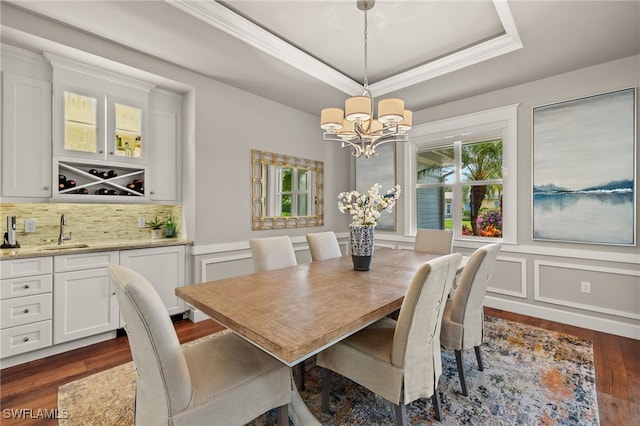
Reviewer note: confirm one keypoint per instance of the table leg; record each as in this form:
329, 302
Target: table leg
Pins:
298, 411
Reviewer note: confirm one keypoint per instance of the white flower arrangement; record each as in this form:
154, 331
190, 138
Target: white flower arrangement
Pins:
365, 209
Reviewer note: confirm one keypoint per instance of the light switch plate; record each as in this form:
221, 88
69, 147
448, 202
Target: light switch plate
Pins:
30, 225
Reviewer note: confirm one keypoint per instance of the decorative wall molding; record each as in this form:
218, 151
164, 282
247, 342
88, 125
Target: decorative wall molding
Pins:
497, 297
537, 296
523, 278
213, 260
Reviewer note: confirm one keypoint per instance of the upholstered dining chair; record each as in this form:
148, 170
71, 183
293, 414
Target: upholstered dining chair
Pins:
399, 360
323, 245
435, 241
272, 253
275, 253
463, 320
222, 380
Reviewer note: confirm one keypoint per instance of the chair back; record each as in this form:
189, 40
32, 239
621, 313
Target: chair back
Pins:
272, 253
416, 340
466, 305
436, 241
323, 245
163, 385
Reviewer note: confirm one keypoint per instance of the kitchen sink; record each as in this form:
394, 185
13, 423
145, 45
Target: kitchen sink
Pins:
65, 247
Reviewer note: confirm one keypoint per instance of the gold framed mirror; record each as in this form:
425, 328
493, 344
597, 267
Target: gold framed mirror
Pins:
288, 192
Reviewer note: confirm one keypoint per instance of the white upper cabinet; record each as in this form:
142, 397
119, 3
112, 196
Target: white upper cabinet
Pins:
25, 165
99, 115
165, 130
26, 137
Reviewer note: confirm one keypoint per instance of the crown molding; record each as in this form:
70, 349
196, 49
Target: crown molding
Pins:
218, 16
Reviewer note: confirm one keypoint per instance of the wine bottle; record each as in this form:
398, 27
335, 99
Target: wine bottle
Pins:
69, 184
101, 191
112, 173
62, 178
82, 191
103, 175
169, 228
93, 172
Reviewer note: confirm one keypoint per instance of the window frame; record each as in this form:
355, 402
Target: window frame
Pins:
497, 122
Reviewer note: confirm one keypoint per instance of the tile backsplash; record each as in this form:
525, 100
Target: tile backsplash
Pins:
87, 222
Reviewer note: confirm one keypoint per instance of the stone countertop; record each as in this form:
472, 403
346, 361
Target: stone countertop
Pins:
73, 247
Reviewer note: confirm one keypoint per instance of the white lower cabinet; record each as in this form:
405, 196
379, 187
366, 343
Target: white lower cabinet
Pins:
25, 305
164, 268
84, 302
51, 300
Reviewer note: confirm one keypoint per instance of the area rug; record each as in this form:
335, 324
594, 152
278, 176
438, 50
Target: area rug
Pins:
531, 377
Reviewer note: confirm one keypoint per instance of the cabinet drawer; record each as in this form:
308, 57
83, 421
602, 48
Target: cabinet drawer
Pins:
77, 262
27, 286
25, 338
25, 267
25, 310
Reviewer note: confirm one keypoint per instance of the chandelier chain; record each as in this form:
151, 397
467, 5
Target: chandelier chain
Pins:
366, 80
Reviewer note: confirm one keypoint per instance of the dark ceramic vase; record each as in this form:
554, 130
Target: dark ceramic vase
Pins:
361, 242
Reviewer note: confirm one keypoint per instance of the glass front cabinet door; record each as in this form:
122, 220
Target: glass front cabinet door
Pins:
80, 123
99, 115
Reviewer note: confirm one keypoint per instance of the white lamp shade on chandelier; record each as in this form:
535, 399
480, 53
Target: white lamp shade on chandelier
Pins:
355, 126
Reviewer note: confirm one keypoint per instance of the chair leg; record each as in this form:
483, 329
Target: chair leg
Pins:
301, 374
325, 390
401, 414
435, 399
283, 415
463, 382
479, 358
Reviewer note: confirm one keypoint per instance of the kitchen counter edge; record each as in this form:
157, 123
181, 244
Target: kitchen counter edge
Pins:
37, 251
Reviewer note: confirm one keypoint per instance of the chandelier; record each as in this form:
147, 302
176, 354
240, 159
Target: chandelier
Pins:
355, 126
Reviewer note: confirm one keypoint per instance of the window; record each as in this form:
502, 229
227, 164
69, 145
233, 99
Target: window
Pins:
456, 175
466, 177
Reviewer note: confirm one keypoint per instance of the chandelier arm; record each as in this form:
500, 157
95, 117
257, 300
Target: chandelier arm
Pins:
372, 133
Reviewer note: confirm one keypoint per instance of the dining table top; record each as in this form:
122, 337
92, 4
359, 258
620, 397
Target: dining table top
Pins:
295, 312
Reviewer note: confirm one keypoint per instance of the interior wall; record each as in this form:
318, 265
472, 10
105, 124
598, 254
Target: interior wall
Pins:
221, 127
543, 278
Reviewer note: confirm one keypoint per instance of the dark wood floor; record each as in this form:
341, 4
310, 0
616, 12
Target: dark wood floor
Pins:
35, 385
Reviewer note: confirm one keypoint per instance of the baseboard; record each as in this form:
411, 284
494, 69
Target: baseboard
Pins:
571, 318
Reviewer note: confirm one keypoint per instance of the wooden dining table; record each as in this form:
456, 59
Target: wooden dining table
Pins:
295, 312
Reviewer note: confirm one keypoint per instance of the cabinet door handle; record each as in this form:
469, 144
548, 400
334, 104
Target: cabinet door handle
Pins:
26, 311
46, 188
110, 152
26, 286
152, 192
113, 294
26, 339
100, 152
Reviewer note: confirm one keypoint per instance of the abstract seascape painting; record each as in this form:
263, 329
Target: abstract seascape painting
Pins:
584, 169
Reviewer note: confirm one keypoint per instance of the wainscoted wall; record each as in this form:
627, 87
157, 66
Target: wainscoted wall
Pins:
551, 278
217, 261
87, 222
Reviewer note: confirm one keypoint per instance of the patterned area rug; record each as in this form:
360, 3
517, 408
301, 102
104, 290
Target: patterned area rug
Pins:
531, 376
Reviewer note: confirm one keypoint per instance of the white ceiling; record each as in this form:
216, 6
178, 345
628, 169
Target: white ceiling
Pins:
309, 54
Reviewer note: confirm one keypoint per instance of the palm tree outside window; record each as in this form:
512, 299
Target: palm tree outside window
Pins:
459, 187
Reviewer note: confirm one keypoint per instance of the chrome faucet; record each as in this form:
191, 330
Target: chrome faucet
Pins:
61, 237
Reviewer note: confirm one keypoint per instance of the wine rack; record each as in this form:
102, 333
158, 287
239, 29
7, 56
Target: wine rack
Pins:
94, 180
